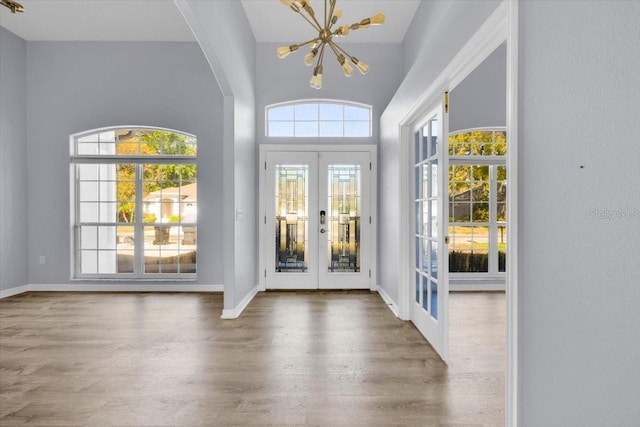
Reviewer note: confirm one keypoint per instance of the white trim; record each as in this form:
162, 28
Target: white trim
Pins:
500, 26
233, 313
405, 240
485, 287
512, 380
120, 287
14, 291
388, 300
372, 149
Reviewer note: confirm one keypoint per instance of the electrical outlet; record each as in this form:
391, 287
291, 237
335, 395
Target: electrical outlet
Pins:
42, 259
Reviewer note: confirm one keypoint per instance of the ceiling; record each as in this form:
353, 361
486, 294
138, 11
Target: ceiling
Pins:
160, 20
273, 22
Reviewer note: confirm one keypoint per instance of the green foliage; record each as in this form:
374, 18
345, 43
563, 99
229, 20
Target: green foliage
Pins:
149, 218
470, 262
155, 177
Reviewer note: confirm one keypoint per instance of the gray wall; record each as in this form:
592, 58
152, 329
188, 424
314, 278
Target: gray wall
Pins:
281, 80
223, 32
438, 45
13, 160
481, 98
579, 227
76, 86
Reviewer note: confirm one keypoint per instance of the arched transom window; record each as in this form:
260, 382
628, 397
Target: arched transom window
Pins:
318, 119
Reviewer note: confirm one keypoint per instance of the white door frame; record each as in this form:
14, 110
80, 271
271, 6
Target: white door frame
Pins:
262, 214
501, 26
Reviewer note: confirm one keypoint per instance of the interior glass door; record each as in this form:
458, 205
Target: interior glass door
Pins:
429, 309
318, 220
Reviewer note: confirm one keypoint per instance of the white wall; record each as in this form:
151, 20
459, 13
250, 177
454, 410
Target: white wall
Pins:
13, 160
76, 86
579, 168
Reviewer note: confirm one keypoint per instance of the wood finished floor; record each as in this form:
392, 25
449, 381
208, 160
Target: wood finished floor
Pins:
292, 358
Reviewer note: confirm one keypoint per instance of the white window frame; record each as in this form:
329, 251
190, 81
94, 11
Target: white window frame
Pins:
139, 161
318, 102
458, 279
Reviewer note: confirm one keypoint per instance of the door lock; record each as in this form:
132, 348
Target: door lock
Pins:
322, 230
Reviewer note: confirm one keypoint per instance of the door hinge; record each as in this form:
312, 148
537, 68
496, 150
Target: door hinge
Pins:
370, 166
369, 273
369, 220
265, 272
446, 102
265, 165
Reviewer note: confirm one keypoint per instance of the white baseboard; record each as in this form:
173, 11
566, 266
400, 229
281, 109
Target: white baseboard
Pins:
111, 287
390, 303
14, 291
233, 313
467, 287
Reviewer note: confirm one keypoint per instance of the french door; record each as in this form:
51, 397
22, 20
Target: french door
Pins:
318, 225
430, 301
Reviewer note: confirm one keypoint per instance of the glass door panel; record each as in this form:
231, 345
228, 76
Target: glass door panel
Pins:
428, 312
290, 201
343, 218
291, 217
345, 230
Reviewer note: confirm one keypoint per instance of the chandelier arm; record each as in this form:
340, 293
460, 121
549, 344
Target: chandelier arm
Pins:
307, 8
315, 25
308, 42
321, 55
331, 10
326, 22
333, 47
340, 49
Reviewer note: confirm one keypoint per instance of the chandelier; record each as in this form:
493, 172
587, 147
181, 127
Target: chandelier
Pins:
326, 38
12, 5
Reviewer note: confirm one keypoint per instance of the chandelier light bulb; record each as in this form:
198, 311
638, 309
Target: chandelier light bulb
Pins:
283, 52
377, 19
343, 30
337, 14
364, 68
309, 57
347, 69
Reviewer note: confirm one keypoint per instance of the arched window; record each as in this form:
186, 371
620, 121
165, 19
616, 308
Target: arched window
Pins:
135, 203
318, 119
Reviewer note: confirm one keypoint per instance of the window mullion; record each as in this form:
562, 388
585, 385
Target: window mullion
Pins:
493, 226
138, 250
